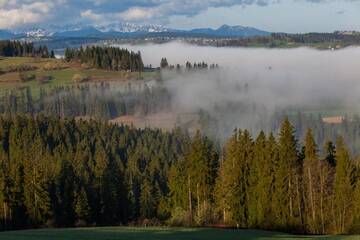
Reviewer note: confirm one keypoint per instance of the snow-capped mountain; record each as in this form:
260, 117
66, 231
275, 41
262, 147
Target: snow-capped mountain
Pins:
131, 28
48, 30
38, 33
116, 30
57, 30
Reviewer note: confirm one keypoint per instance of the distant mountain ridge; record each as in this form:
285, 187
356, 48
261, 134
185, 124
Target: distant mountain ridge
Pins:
116, 30
5, 34
232, 31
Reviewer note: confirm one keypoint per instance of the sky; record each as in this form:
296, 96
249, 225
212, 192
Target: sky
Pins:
293, 16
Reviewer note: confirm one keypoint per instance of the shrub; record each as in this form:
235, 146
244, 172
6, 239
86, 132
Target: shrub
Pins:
53, 66
85, 66
50, 223
81, 223
20, 68
179, 218
43, 79
80, 78
149, 223
205, 215
25, 77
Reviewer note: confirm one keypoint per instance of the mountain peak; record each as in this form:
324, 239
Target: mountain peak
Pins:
233, 28
225, 26
120, 29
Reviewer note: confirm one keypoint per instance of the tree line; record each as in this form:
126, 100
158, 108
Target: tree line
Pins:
106, 101
280, 186
65, 172
269, 183
101, 101
24, 49
109, 58
188, 65
284, 40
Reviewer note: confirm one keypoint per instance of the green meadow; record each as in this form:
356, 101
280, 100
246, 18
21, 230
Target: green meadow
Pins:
126, 233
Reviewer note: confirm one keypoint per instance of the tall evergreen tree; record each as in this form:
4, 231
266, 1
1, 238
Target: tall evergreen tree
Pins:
260, 183
311, 170
343, 188
147, 201
287, 194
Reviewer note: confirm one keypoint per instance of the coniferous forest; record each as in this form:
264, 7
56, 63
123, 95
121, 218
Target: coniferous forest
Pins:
23, 49
102, 101
109, 58
62, 164
62, 172
179, 119
106, 101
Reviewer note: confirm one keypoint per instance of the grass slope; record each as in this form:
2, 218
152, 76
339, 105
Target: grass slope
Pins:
59, 77
124, 233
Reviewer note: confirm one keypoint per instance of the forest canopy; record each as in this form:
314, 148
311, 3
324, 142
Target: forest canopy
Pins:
23, 49
109, 58
76, 173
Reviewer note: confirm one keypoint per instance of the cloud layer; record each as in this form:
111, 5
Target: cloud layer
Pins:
18, 13
15, 13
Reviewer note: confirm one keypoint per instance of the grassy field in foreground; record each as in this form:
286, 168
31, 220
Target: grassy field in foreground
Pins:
123, 233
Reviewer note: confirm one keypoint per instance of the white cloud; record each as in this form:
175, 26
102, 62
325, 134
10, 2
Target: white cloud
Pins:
17, 17
162, 9
89, 14
157, 11
40, 7
17, 13
98, 2
4, 3
14, 14
138, 14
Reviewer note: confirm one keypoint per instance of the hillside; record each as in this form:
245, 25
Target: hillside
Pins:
231, 31
21, 72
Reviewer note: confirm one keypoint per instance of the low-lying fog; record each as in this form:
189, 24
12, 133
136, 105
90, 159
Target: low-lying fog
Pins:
302, 79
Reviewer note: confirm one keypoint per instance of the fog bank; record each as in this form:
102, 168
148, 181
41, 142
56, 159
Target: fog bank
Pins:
259, 80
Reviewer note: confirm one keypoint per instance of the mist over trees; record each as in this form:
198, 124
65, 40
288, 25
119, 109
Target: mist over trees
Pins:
58, 170
65, 172
101, 101
105, 101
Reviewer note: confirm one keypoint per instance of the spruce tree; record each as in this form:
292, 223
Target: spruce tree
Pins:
82, 207
311, 183
260, 183
201, 167
288, 207
227, 189
147, 201
343, 188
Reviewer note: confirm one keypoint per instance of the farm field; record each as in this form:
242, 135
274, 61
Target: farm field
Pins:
124, 233
166, 121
